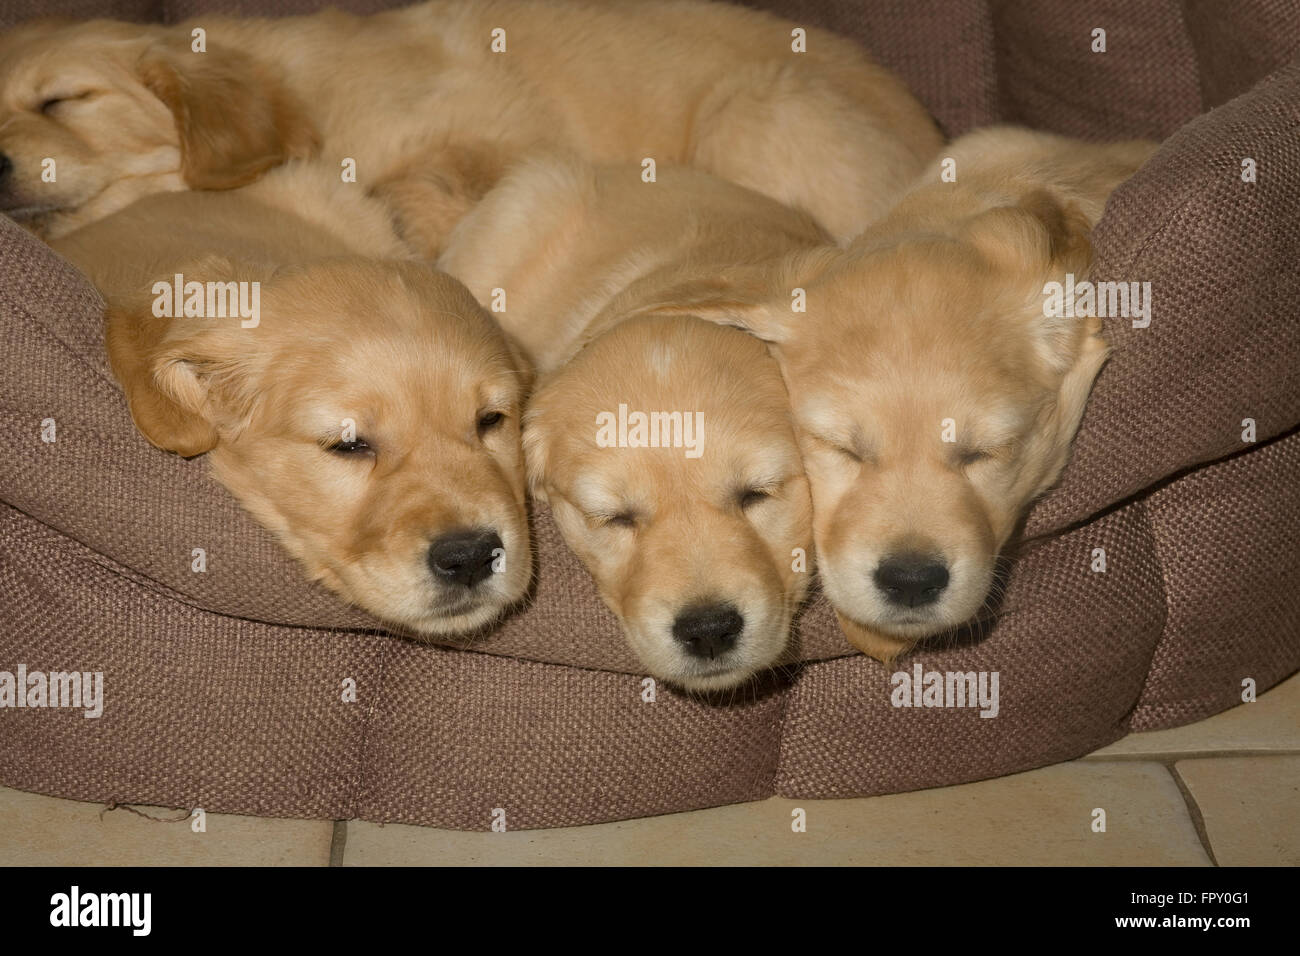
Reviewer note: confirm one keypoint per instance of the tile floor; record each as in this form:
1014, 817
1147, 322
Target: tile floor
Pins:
1224, 791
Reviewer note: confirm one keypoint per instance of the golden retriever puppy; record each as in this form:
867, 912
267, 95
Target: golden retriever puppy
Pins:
96, 114
936, 395
365, 411
663, 444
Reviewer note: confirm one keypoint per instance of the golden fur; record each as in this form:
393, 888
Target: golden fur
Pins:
932, 322
585, 257
396, 347
417, 93
934, 318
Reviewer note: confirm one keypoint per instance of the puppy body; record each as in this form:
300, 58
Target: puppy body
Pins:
935, 398
370, 416
701, 551
295, 215
578, 248
419, 95
1002, 165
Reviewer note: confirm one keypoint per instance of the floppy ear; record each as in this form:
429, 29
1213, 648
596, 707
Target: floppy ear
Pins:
131, 334
1033, 242
187, 380
757, 300
536, 444
1057, 432
1037, 233
1036, 241
714, 301
234, 120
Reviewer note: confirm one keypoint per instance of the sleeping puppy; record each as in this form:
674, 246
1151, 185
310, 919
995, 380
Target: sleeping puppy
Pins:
442, 96
365, 411
663, 444
935, 398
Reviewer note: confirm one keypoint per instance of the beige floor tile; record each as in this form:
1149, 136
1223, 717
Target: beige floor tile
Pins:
1251, 807
1271, 723
1040, 817
44, 831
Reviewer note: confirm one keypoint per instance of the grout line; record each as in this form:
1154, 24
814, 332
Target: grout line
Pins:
338, 842
1194, 811
1168, 756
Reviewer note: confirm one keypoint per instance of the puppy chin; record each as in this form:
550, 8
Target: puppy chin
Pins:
757, 651
466, 622
883, 631
416, 610
476, 615
872, 642
716, 682
698, 679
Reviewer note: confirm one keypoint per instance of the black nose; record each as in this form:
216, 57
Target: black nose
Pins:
6, 167
911, 580
464, 557
708, 630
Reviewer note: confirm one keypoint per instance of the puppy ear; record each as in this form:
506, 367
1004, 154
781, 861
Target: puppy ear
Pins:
1031, 244
131, 334
536, 442
1038, 233
758, 301
187, 380
233, 119
763, 319
1071, 347
1062, 418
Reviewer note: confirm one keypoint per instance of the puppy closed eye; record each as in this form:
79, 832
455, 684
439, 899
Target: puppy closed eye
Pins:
751, 497
48, 105
355, 448
971, 457
846, 452
489, 422
620, 519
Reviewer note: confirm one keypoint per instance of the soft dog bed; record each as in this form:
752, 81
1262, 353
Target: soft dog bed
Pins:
227, 688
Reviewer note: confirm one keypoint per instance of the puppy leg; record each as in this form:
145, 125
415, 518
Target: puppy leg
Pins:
429, 194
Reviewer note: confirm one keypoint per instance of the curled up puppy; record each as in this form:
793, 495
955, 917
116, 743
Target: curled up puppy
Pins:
663, 444
936, 393
366, 411
441, 96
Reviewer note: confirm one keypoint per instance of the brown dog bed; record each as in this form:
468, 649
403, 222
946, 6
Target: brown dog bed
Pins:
224, 689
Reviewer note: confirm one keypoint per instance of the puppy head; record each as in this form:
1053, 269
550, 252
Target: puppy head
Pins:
96, 115
934, 402
371, 420
691, 543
